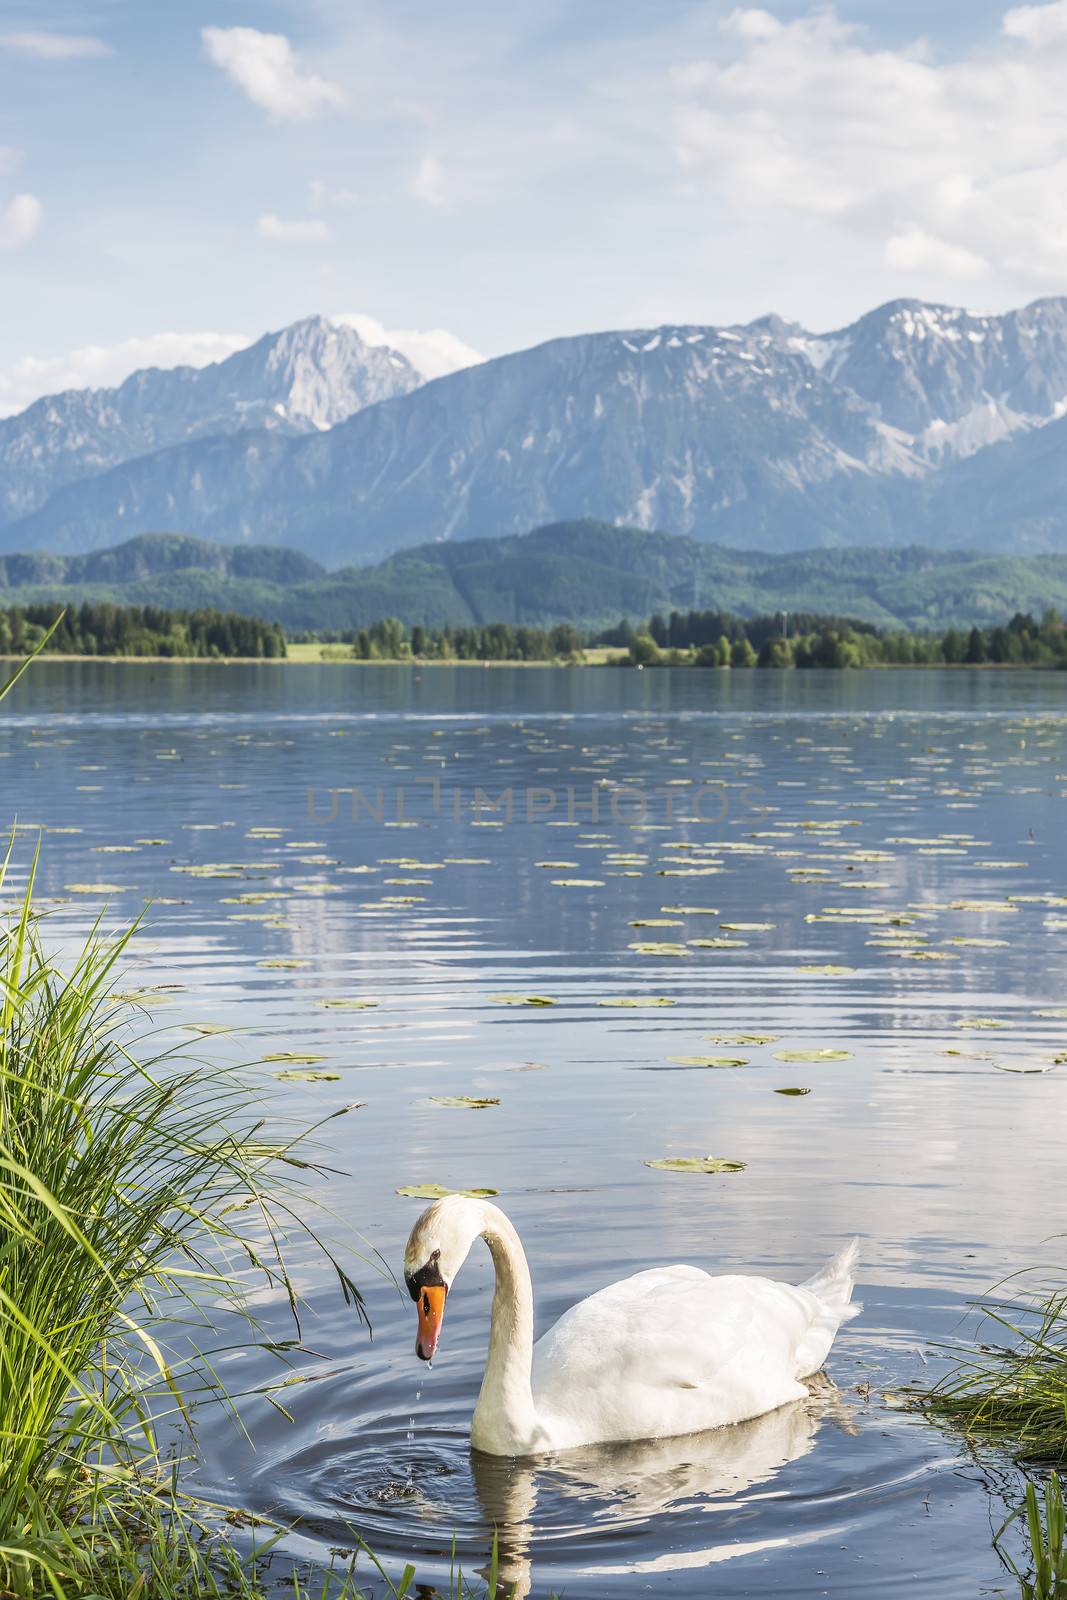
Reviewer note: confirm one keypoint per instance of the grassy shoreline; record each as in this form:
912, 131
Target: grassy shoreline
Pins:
309, 655
301, 655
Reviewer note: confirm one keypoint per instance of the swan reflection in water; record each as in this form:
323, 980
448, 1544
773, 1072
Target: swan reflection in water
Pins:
626, 1486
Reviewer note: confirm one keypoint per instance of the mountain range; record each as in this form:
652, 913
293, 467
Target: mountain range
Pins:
304, 379
917, 424
588, 573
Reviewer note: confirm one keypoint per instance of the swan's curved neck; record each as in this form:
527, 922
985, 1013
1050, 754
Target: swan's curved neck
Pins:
505, 1419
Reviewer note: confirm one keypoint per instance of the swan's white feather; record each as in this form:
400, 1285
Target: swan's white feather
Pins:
676, 1350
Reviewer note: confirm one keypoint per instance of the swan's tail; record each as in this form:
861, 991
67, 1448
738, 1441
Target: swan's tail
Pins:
833, 1283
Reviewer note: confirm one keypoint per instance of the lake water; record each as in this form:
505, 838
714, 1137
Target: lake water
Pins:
897, 842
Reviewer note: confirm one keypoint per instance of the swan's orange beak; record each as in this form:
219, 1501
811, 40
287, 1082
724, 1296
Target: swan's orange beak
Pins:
431, 1310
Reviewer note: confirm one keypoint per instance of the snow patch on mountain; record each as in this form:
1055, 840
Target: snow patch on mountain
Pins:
986, 423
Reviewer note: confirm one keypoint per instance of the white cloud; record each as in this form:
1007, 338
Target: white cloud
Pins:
955, 168
428, 183
55, 46
912, 250
1041, 25
98, 366
267, 69
432, 351
300, 232
19, 221
321, 196
750, 23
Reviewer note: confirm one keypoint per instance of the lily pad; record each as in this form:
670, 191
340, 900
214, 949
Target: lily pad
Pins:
294, 1056
436, 1191
1029, 1067
710, 1061
813, 1055
633, 1002
792, 1091
254, 898
464, 1102
743, 1038
828, 970
306, 1075
523, 999
688, 872
696, 1164
349, 1005
286, 963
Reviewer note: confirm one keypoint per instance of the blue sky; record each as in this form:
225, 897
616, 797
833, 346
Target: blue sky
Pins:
177, 178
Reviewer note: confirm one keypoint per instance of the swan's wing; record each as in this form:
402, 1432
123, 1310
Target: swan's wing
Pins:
673, 1350
675, 1326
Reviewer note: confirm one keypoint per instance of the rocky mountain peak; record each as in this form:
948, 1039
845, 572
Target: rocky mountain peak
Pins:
303, 378
315, 373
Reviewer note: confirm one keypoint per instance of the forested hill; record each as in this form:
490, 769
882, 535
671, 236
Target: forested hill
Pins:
587, 573
154, 555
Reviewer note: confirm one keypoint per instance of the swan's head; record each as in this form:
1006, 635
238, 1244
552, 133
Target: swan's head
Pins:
437, 1248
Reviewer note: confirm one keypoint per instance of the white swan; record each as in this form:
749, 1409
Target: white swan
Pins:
668, 1351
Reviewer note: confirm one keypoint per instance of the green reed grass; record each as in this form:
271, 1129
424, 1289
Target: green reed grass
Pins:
1044, 1517
1013, 1393
133, 1194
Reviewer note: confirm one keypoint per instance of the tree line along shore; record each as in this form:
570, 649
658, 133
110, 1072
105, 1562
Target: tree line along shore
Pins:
102, 629
713, 639
703, 639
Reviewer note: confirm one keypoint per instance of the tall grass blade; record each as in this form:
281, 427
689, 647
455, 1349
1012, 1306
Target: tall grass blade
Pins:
1043, 1516
34, 653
